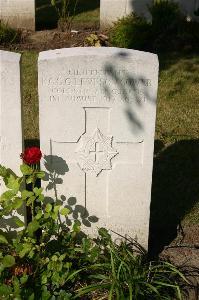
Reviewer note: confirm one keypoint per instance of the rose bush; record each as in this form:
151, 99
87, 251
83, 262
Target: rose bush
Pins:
31, 155
61, 262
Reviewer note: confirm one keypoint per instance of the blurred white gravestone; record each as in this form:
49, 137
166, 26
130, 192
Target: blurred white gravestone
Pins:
97, 113
18, 13
112, 10
10, 112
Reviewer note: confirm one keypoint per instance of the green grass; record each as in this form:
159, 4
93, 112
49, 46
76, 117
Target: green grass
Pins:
86, 14
178, 100
8, 35
175, 191
30, 95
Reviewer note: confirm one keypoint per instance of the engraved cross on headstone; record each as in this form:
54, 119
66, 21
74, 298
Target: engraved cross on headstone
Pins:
97, 153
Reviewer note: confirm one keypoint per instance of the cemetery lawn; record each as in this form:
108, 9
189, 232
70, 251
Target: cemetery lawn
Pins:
176, 165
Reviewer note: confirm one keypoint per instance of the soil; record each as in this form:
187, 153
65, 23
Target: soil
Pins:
52, 39
184, 250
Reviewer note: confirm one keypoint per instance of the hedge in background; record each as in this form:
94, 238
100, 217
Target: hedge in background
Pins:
169, 30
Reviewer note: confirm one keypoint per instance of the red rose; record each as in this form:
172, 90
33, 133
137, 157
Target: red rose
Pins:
31, 155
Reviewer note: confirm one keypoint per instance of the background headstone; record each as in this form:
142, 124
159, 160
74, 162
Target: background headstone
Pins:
10, 116
97, 114
18, 13
112, 10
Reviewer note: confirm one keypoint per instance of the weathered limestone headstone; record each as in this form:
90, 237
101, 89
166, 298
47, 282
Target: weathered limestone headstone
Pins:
97, 113
18, 13
10, 117
112, 10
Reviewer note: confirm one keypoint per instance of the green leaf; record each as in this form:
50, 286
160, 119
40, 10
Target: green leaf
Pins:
24, 279
39, 215
26, 249
37, 191
8, 195
26, 194
64, 211
41, 198
31, 200
46, 215
44, 279
76, 226
62, 257
32, 227
54, 258
56, 208
17, 202
13, 183
54, 215
31, 297
26, 170
103, 232
5, 290
3, 240
8, 261
48, 207
3, 171
99, 276
30, 179
18, 222
40, 174
16, 285
90, 288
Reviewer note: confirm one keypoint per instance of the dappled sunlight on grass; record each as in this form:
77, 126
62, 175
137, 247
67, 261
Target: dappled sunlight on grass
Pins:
178, 105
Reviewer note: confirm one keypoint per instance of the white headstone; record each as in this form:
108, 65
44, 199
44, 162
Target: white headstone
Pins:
18, 13
112, 10
10, 116
97, 112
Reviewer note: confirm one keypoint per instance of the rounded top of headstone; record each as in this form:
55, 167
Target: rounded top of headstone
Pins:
9, 56
121, 53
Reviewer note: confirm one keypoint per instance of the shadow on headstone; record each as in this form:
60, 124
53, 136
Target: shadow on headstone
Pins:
56, 167
175, 190
129, 91
31, 143
8, 225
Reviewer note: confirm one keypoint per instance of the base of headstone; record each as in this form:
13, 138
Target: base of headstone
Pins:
18, 13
